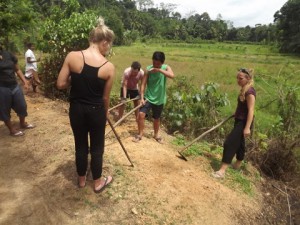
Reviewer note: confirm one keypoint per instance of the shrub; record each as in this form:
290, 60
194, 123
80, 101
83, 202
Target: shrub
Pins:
189, 109
278, 158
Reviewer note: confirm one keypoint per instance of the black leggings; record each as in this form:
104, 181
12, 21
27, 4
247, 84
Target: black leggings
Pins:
88, 120
235, 143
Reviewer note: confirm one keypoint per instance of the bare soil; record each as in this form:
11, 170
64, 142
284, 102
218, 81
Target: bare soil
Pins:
38, 182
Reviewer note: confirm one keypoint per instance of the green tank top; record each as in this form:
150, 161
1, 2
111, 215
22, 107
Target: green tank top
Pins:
156, 87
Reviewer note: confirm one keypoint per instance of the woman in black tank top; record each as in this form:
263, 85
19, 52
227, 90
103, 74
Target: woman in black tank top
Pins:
90, 77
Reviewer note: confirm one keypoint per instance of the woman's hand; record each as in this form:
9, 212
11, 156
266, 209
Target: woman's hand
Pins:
247, 132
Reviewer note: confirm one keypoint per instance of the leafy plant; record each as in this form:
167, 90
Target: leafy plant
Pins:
189, 110
59, 38
278, 156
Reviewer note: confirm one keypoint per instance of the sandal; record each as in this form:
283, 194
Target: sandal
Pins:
137, 138
17, 134
218, 175
159, 140
28, 126
107, 180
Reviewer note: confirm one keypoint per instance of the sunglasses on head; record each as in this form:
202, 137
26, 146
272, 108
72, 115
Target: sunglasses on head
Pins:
243, 70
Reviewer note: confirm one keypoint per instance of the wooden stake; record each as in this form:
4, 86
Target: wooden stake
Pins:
122, 103
202, 135
119, 140
124, 117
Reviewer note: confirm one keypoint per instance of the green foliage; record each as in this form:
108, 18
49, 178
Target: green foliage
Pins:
262, 141
285, 92
179, 140
15, 15
276, 153
287, 20
237, 180
130, 37
50, 68
69, 34
58, 39
126, 21
189, 109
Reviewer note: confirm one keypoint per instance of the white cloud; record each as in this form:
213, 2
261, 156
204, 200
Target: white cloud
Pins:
240, 12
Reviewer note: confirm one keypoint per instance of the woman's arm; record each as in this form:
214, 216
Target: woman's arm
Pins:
108, 85
21, 76
63, 80
250, 104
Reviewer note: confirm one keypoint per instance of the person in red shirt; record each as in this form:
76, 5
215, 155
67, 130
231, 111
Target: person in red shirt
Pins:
131, 81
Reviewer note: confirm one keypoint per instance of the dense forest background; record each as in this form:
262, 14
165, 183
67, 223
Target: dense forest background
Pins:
41, 21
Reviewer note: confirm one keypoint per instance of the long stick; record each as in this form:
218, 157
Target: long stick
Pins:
202, 135
119, 140
122, 103
287, 197
289, 206
124, 117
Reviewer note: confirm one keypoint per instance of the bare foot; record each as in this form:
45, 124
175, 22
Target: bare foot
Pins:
81, 181
237, 165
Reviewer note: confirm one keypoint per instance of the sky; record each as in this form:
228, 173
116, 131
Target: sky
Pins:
240, 12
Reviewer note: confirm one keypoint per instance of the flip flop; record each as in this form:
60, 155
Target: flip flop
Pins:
28, 126
107, 180
137, 138
18, 134
159, 140
218, 175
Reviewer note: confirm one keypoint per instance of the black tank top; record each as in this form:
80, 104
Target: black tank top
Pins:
87, 87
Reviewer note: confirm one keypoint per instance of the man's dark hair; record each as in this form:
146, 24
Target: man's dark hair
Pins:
29, 45
136, 65
159, 56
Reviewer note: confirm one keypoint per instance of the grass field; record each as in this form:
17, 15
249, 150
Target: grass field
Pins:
217, 63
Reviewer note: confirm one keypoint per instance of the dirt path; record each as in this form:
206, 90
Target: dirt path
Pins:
38, 180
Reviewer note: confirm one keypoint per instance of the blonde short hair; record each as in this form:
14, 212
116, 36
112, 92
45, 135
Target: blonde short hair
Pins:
101, 32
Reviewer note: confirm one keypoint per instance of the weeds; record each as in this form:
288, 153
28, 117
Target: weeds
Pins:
237, 180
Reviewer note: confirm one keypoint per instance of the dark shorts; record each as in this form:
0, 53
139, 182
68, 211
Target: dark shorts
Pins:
156, 109
130, 93
12, 98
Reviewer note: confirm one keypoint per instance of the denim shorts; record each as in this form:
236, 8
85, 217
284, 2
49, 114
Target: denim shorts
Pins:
12, 98
156, 109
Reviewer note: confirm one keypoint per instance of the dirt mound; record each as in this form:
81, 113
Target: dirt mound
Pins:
38, 180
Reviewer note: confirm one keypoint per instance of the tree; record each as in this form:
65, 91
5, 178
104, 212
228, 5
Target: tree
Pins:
220, 27
15, 15
287, 20
144, 4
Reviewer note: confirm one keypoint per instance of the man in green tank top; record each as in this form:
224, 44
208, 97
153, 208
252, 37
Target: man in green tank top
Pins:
153, 93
